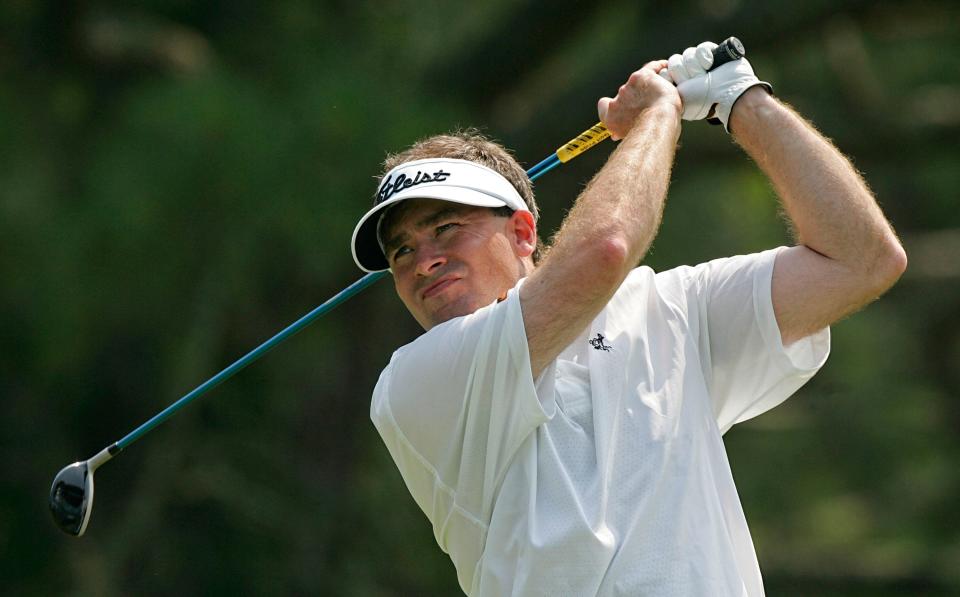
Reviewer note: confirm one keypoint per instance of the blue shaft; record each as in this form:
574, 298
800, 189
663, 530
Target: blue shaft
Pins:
544, 165
733, 49
348, 292
251, 356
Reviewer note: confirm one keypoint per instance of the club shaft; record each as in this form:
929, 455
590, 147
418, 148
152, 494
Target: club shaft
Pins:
259, 351
731, 49
251, 356
728, 50
543, 166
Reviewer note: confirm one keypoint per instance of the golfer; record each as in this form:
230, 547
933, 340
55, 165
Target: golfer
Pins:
560, 422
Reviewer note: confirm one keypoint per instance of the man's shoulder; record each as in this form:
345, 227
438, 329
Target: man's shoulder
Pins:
680, 287
670, 284
686, 276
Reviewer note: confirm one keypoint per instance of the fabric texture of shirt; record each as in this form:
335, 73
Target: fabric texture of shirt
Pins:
607, 475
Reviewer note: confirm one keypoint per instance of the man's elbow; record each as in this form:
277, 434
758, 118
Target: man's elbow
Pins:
599, 267
888, 265
613, 260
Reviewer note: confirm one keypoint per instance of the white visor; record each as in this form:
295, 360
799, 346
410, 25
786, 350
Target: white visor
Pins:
457, 181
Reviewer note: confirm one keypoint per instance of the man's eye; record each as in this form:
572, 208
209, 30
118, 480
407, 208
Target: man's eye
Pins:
445, 227
400, 252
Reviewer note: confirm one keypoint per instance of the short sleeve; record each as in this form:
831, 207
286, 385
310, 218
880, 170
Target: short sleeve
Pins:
454, 406
748, 370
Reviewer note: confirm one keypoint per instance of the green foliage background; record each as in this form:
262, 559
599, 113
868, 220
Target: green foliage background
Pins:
179, 180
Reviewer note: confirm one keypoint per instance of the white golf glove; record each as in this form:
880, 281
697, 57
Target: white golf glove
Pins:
709, 94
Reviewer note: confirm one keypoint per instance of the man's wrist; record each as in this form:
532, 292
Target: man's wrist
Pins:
667, 107
666, 111
751, 104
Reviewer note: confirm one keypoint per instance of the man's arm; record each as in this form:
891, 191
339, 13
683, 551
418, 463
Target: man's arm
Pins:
847, 253
613, 221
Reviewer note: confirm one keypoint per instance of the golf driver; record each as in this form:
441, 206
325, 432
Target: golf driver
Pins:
71, 496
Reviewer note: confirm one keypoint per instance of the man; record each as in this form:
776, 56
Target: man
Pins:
560, 421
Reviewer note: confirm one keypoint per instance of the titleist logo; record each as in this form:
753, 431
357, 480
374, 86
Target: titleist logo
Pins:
391, 187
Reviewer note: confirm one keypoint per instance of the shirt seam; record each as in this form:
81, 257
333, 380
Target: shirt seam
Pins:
763, 313
434, 474
772, 337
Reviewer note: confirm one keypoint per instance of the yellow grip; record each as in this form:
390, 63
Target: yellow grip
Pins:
583, 142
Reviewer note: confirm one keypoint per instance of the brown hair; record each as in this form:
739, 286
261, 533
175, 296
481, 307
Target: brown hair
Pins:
470, 144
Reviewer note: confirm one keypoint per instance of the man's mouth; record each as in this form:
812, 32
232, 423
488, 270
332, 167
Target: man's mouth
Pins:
438, 287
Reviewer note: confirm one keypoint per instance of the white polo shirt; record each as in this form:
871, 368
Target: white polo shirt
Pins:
606, 476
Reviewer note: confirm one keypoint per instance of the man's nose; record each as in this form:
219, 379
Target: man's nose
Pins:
429, 259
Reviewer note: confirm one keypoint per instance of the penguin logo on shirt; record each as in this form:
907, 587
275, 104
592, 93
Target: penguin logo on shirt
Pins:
598, 343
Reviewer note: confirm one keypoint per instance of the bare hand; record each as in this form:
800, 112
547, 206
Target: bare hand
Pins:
643, 90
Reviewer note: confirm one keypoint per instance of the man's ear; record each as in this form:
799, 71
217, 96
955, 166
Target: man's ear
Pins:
523, 233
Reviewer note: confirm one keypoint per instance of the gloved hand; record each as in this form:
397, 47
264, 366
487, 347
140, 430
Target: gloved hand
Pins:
709, 94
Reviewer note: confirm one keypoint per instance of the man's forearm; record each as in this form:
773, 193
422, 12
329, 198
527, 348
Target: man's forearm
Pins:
606, 233
848, 254
625, 199
831, 208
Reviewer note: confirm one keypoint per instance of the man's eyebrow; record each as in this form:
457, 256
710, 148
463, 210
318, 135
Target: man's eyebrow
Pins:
435, 217
392, 242
427, 221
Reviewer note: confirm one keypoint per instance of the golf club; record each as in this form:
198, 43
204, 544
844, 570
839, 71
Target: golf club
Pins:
71, 495
730, 49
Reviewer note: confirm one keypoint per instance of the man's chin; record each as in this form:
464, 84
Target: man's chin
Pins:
446, 313
440, 318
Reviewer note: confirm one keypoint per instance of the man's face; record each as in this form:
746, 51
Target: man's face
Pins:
449, 259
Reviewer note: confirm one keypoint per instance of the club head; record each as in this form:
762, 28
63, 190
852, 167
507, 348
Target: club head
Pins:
71, 498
